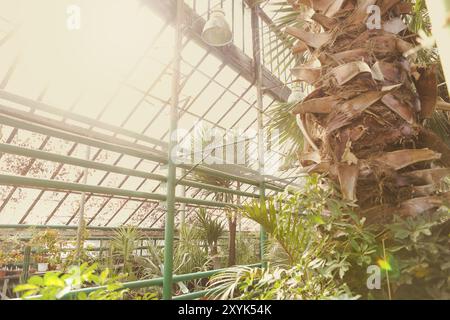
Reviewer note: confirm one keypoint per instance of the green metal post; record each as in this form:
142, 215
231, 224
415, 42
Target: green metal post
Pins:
260, 106
29, 122
111, 168
262, 232
96, 189
171, 178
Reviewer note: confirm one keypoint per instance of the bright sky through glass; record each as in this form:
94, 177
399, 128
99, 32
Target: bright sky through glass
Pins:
115, 68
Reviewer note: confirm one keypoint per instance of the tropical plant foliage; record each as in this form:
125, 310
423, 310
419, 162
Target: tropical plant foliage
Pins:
366, 118
366, 128
296, 283
123, 246
189, 255
56, 285
211, 229
420, 256
319, 248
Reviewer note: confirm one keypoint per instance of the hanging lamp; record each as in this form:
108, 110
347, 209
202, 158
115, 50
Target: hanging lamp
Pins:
217, 32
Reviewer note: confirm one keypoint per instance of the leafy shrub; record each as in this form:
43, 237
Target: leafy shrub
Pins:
55, 285
277, 283
420, 256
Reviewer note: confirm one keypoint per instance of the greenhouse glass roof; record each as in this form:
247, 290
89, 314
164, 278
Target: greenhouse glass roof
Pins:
108, 85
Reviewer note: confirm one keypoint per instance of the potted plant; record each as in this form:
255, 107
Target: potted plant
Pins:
46, 242
2, 265
15, 260
54, 261
42, 262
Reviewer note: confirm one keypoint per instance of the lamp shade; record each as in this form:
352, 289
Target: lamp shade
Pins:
216, 31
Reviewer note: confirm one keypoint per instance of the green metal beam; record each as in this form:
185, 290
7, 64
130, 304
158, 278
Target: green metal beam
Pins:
31, 125
195, 295
233, 56
128, 150
77, 117
155, 282
64, 227
77, 187
38, 154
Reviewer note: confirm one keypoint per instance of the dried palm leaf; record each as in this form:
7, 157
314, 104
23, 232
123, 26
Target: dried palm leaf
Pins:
319, 105
387, 5
403, 8
311, 156
426, 190
417, 206
321, 168
389, 44
347, 72
307, 74
352, 108
430, 176
326, 7
395, 26
326, 22
403, 158
427, 87
390, 72
299, 47
348, 177
360, 14
345, 56
401, 108
311, 39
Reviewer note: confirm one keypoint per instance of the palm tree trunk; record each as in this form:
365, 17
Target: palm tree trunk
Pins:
367, 108
231, 216
215, 255
232, 240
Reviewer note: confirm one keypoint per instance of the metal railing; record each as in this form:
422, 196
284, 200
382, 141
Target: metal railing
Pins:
157, 282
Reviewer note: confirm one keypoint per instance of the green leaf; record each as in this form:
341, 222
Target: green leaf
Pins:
82, 296
104, 275
52, 280
402, 234
25, 287
318, 219
36, 280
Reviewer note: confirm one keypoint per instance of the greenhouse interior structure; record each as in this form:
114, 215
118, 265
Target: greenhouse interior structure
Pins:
224, 150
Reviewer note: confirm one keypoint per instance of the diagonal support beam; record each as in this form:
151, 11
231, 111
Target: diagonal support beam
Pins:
231, 54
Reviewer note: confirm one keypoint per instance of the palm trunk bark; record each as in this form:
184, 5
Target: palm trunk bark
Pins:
232, 240
367, 108
215, 256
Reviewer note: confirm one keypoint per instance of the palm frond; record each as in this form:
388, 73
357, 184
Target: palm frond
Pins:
440, 125
211, 229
